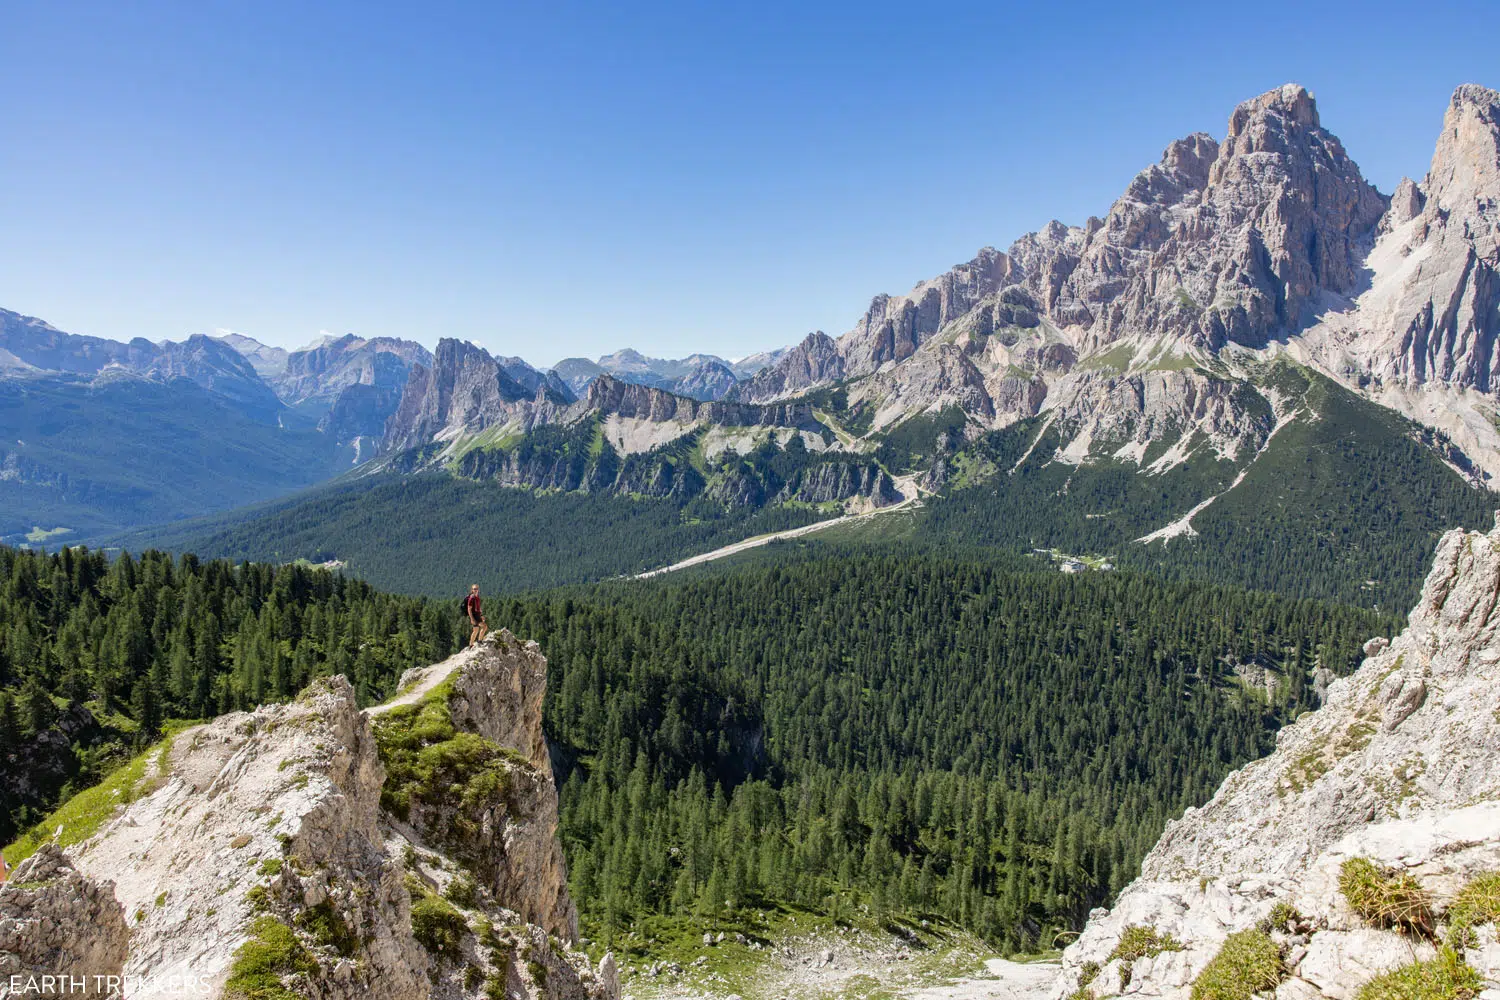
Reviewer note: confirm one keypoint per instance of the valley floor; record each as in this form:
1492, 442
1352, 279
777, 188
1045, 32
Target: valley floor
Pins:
843, 963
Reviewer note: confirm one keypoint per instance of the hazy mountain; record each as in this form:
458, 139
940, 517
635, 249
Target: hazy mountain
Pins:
268, 362
205, 361
699, 376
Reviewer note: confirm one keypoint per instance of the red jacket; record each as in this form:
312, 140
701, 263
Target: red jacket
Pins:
471, 607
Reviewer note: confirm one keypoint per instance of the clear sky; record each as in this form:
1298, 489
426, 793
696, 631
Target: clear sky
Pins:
553, 179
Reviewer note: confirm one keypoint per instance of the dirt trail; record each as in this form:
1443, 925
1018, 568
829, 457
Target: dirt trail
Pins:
1005, 981
905, 484
424, 680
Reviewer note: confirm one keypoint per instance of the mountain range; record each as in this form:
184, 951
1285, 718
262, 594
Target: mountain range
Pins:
332, 400
1252, 335
1159, 322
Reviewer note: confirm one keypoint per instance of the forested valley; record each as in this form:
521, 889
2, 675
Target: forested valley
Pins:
899, 734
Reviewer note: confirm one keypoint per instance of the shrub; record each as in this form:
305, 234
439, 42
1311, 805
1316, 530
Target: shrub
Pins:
1140, 941
1248, 963
461, 890
1386, 898
328, 927
438, 926
272, 952
1082, 993
1282, 914
1088, 973
1444, 978
1477, 903
428, 760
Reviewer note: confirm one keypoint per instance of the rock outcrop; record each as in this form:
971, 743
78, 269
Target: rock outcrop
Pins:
307, 844
464, 391
1424, 337
1397, 768
56, 922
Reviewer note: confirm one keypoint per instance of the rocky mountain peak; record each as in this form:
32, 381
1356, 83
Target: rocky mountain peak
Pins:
1291, 102
1466, 163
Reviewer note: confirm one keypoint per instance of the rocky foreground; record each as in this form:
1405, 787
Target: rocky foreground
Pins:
1366, 844
312, 850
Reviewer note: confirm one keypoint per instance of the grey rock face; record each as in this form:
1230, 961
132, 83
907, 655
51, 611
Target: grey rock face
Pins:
55, 920
709, 380
464, 391
497, 693
321, 374
837, 481
815, 361
611, 396
277, 814
1397, 766
1435, 317
1219, 242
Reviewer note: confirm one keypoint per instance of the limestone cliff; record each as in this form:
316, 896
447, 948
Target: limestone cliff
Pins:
1397, 768
408, 851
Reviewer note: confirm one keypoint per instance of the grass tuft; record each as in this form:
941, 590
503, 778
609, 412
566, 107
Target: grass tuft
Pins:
1477, 903
428, 760
435, 923
1444, 978
80, 817
1248, 963
1386, 898
1140, 941
260, 964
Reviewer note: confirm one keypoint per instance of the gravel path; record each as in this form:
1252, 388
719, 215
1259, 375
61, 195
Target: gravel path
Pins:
906, 485
1012, 981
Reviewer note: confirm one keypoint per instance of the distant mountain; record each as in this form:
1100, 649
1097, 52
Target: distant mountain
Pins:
1130, 329
314, 377
268, 362
100, 436
532, 379
751, 363
82, 458
205, 361
1151, 385
698, 376
1250, 321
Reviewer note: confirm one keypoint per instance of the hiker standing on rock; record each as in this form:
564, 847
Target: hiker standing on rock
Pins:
475, 612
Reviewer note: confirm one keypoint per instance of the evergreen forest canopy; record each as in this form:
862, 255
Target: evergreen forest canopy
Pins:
910, 733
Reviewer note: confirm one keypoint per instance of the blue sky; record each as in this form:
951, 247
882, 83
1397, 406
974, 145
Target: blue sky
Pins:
558, 179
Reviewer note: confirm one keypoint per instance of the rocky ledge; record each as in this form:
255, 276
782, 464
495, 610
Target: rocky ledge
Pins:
1362, 856
314, 850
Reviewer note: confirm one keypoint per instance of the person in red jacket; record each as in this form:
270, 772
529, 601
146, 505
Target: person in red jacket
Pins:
475, 611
